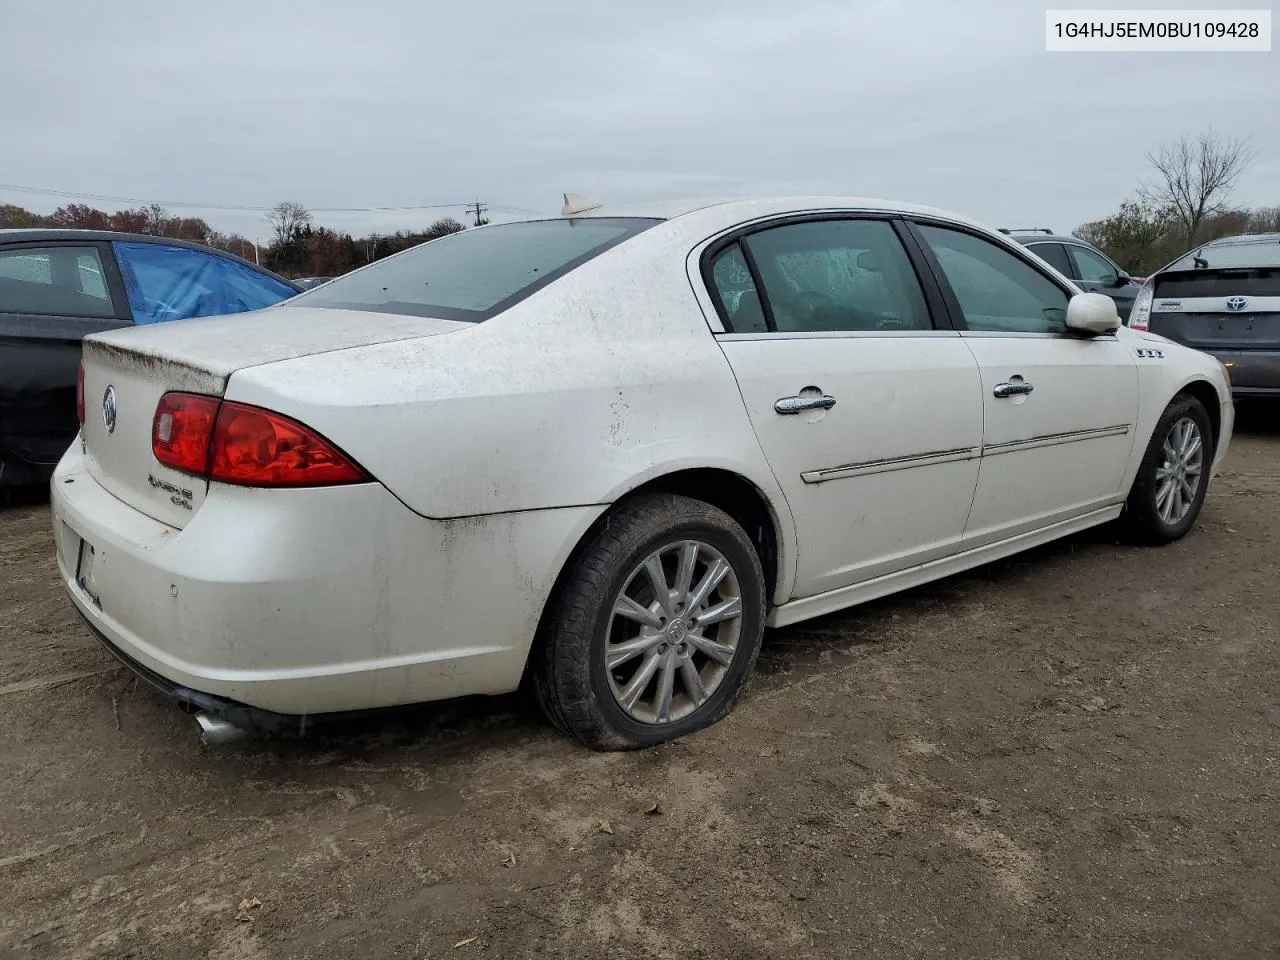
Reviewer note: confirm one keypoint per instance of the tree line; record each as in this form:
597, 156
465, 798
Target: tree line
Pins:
1185, 201
298, 248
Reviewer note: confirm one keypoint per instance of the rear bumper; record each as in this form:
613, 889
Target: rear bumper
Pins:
304, 602
1253, 372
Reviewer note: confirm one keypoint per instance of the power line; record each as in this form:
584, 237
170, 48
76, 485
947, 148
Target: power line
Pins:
478, 210
243, 208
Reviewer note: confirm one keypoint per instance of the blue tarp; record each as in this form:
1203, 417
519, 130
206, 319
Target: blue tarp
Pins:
173, 283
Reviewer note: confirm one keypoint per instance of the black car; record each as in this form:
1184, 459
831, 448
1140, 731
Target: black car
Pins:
58, 286
1222, 298
1091, 269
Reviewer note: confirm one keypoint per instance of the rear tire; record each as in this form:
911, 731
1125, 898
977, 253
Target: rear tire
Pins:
668, 665
1172, 479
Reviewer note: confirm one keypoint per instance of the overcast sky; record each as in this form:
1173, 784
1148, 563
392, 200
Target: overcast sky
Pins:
390, 103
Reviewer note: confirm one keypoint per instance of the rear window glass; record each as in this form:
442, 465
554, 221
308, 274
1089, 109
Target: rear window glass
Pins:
1263, 253
1218, 283
475, 274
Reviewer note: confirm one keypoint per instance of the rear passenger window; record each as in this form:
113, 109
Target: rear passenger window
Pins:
737, 292
56, 281
175, 283
838, 275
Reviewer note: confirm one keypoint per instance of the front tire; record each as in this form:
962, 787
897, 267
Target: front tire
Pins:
654, 630
1172, 479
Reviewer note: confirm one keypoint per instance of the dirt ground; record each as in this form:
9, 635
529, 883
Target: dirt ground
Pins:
1074, 753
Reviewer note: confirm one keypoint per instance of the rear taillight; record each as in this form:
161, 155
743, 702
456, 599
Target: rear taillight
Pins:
79, 393
1140, 312
258, 448
245, 445
182, 429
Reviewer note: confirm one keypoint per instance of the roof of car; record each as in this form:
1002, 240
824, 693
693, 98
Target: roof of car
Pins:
1029, 236
37, 234
56, 234
747, 207
1245, 238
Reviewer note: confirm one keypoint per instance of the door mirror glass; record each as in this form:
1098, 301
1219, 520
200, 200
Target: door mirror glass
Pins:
1092, 313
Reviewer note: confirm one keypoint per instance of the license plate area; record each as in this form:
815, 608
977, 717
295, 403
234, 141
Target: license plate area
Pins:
86, 569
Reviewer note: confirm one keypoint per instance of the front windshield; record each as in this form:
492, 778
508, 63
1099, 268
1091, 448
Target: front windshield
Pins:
475, 274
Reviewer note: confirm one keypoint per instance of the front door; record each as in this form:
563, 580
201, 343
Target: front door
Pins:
869, 415
1059, 409
1097, 274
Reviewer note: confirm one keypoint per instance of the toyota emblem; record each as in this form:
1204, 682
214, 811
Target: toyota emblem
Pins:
1236, 303
109, 409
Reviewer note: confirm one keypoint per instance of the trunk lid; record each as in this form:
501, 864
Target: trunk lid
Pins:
1223, 309
127, 371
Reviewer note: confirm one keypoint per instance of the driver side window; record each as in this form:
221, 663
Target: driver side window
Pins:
838, 275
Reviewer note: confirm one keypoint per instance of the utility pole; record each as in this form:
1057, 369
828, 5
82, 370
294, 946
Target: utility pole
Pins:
477, 209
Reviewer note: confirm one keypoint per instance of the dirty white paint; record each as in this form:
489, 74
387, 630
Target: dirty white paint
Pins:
497, 444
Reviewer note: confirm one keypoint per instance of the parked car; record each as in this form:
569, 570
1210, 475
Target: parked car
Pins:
1090, 268
1223, 298
56, 286
600, 453
306, 283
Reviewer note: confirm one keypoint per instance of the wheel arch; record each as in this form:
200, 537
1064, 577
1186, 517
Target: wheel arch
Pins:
1207, 394
726, 489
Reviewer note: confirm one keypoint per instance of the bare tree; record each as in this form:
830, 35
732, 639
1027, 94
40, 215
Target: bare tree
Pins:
287, 220
1195, 176
157, 220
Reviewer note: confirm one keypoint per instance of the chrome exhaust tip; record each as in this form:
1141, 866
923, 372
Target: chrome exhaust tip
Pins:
214, 731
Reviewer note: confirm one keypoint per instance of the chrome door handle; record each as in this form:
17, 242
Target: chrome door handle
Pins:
800, 404
1013, 388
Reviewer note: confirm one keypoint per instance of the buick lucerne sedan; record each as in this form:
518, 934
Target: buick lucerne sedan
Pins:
595, 455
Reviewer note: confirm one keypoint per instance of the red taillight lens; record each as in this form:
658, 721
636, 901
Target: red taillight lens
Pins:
257, 448
182, 431
79, 393
237, 443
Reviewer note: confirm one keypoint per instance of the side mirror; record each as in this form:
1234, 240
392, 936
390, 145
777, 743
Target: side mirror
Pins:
1122, 279
1092, 313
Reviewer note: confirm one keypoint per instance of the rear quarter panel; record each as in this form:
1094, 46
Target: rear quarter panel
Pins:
587, 389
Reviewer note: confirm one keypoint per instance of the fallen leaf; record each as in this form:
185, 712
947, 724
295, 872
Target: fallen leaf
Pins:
510, 861
606, 826
655, 810
463, 943
243, 914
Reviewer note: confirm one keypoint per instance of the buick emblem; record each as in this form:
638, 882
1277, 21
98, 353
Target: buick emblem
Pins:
109, 409
1236, 303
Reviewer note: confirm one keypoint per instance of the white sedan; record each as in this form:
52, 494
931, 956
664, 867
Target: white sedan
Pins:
599, 453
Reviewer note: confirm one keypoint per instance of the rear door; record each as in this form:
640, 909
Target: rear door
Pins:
52, 295
869, 414
1059, 410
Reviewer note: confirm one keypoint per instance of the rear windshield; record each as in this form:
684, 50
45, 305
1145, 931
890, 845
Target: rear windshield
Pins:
1218, 283
475, 274
1261, 253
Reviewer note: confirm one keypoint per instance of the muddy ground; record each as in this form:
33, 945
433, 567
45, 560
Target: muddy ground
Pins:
1075, 753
